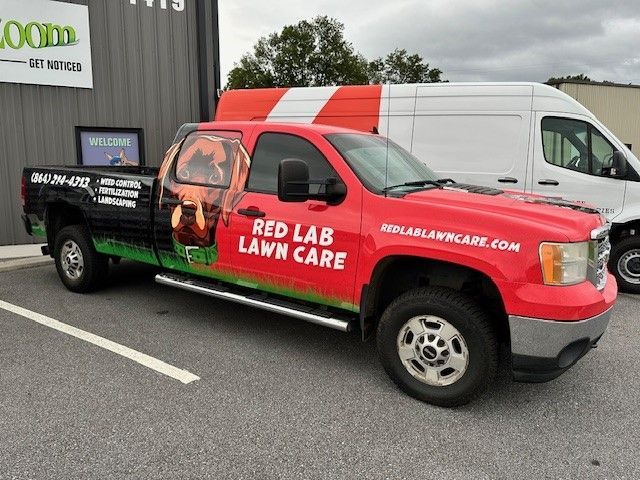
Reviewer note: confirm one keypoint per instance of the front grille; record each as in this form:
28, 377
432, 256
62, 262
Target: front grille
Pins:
599, 251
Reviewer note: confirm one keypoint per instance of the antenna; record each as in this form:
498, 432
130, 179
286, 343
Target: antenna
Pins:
386, 161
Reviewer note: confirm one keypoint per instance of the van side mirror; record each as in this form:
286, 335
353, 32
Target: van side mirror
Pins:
293, 184
618, 168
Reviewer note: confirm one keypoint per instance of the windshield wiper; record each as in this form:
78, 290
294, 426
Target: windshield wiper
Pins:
420, 183
446, 180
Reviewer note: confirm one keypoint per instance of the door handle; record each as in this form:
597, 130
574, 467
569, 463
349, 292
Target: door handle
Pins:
251, 212
172, 201
508, 180
548, 181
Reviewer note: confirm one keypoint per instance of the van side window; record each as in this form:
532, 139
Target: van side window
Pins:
602, 152
575, 145
272, 148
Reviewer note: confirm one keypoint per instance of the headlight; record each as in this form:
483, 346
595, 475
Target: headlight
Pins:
564, 263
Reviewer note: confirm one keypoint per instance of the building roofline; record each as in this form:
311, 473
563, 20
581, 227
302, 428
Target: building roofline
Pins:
555, 83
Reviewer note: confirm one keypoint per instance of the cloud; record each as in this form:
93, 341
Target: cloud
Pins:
469, 40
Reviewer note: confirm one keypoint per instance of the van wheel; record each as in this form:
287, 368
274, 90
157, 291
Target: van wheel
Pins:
438, 346
625, 264
79, 266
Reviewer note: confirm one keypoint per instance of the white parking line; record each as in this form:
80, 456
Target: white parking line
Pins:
141, 358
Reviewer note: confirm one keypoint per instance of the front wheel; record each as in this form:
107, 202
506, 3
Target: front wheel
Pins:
79, 266
438, 346
625, 264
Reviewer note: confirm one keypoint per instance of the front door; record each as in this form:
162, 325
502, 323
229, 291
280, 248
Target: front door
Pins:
569, 156
305, 250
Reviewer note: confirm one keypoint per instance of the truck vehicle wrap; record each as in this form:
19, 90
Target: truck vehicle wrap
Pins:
348, 230
527, 137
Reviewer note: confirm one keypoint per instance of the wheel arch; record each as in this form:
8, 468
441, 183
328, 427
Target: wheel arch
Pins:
396, 274
59, 214
626, 229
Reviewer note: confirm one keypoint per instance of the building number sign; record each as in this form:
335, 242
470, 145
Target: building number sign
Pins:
177, 5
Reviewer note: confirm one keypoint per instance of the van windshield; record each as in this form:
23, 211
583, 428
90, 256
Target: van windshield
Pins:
380, 163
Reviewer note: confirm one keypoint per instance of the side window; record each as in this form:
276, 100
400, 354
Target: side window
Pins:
274, 147
602, 151
575, 145
206, 158
565, 143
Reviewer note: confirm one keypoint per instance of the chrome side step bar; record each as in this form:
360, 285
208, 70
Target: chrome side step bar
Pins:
258, 300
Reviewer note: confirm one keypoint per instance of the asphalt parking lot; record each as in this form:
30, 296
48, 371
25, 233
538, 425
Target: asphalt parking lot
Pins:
279, 398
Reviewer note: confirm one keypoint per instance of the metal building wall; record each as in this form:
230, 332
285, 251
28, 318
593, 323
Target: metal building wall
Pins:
145, 75
618, 107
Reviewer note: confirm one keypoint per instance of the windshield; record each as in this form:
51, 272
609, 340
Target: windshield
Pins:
378, 162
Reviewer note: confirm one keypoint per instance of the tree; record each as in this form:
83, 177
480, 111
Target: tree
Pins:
580, 77
400, 67
309, 53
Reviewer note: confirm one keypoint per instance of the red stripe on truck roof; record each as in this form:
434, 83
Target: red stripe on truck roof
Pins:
254, 104
356, 107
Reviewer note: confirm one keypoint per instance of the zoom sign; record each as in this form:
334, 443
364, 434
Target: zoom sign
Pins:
45, 43
36, 35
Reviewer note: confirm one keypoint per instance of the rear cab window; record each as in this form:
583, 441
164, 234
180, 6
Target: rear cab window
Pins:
206, 158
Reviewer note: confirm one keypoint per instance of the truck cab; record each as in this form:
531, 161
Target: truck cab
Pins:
522, 136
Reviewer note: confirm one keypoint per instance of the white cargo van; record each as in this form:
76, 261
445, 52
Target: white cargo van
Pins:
528, 137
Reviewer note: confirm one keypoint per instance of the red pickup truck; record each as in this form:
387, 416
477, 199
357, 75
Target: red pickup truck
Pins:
348, 230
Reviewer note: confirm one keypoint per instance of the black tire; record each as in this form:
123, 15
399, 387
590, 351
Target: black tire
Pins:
622, 247
95, 265
467, 317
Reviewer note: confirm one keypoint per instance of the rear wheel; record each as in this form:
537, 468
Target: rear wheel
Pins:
625, 264
438, 346
79, 266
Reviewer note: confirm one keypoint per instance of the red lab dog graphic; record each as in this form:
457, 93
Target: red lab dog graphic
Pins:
205, 165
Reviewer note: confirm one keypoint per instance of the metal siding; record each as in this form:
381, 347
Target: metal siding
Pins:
145, 73
617, 107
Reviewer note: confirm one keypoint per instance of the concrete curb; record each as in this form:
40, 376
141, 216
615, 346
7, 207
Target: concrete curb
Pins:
22, 263
8, 252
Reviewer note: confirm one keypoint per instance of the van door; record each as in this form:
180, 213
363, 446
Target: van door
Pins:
474, 135
569, 156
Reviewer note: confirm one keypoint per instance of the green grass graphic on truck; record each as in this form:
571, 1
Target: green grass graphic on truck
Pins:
172, 261
125, 250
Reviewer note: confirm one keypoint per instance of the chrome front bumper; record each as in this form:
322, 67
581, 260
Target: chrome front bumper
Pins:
543, 349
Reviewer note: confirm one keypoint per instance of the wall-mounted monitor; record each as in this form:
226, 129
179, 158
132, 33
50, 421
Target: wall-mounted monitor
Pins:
101, 146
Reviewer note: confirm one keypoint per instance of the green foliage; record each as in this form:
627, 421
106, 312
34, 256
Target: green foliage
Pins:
400, 67
309, 53
580, 77
315, 53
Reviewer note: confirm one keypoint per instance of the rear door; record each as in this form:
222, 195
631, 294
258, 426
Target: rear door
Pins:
304, 250
569, 155
204, 175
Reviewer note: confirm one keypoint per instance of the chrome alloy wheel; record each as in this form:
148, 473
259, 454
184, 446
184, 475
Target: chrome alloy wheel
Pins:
71, 260
432, 350
629, 266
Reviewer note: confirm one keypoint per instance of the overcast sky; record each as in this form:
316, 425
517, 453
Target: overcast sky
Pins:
469, 40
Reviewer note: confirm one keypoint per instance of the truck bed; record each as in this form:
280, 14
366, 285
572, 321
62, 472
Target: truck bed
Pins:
116, 202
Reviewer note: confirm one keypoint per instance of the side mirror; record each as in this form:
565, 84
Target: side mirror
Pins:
293, 184
293, 180
334, 190
618, 168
